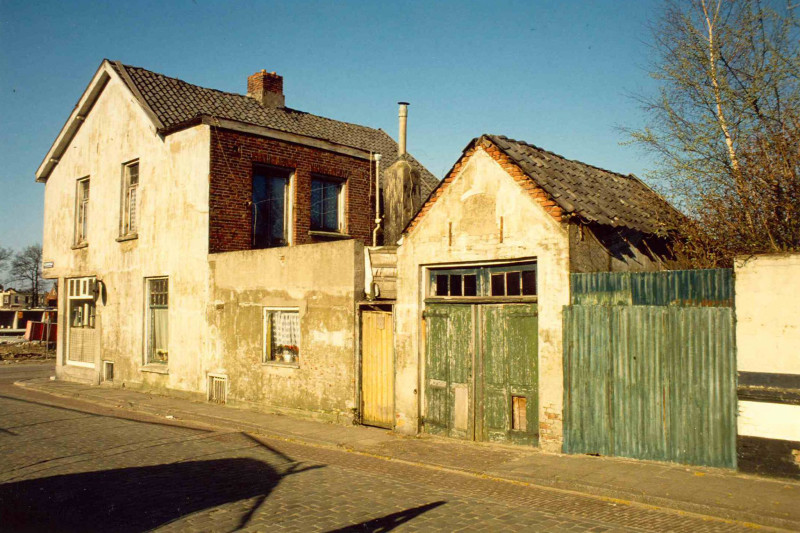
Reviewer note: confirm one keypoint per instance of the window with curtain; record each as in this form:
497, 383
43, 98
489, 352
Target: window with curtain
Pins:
158, 321
281, 339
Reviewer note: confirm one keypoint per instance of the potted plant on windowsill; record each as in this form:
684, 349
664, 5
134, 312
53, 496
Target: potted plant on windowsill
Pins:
289, 353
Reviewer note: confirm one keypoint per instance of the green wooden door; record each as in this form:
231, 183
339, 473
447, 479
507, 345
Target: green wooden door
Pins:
450, 347
509, 396
502, 339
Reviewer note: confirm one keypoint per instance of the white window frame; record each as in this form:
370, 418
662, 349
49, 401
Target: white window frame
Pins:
129, 212
148, 322
341, 202
266, 343
82, 210
80, 290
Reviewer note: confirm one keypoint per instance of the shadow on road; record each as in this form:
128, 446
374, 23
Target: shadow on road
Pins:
389, 522
134, 499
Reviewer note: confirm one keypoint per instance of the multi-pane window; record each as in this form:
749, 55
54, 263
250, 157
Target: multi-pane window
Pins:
271, 207
157, 321
130, 186
281, 336
327, 204
516, 280
82, 211
81, 298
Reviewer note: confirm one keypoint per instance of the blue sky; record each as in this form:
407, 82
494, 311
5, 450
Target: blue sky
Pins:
558, 74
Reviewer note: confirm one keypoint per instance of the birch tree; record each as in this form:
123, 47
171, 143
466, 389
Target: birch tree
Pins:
725, 125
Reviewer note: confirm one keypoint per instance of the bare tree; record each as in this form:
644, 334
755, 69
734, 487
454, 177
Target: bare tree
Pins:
725, 125
26, 268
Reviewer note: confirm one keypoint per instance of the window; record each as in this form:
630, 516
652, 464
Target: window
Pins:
506, 281
281, 338
271, 207
81, 211
327, 204
130, 185
81, 297
157, 321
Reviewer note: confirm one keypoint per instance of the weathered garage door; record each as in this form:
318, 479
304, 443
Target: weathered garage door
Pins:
497, 402
377, 369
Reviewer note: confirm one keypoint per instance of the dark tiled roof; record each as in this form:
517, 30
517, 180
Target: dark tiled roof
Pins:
176, 102
594, 194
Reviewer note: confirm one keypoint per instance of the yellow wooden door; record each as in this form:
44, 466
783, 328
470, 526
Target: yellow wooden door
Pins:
377, 369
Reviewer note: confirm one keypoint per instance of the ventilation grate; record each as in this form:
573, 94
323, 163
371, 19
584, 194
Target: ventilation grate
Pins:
217, 389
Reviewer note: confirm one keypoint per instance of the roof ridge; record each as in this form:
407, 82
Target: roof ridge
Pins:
540, 149
244, 96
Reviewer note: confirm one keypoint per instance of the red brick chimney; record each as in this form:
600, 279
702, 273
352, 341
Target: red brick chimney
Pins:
267, 88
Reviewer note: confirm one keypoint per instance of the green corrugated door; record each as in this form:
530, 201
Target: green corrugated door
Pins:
651, 382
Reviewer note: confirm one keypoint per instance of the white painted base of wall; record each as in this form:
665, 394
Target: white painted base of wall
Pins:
769, 420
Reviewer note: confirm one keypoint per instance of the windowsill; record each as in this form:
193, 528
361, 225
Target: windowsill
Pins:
79, 246
155, 368
328, 234
123, 238
280, 364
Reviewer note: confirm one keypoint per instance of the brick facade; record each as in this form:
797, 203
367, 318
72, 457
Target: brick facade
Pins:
233, 156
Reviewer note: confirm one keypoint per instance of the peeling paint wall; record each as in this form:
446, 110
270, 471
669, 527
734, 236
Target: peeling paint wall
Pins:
463, 226
323, 282
172, 238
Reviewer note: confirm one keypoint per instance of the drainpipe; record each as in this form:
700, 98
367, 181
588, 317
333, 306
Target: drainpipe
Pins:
377, 158
403, 116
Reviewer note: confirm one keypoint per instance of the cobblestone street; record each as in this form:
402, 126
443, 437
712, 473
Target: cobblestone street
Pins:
64, 469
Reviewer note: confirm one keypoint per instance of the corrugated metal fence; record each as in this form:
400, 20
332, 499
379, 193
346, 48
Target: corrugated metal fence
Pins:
649, 366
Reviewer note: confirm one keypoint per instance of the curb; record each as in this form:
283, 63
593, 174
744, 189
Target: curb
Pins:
603, 493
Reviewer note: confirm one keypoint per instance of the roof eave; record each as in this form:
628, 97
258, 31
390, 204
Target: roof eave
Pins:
74, 121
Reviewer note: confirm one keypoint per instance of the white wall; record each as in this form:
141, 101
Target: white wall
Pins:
473, 203
768, 313
172, 238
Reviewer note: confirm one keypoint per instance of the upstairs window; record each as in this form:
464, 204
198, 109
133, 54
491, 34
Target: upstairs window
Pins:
271, 207
81, 211
130, 185
327, 204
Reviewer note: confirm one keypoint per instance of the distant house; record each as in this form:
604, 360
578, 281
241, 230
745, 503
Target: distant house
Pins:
11, 298
210, 243
483, 273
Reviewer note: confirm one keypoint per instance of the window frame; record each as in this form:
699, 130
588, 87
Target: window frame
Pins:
148, 322
266, 341
484, 274
82, 199
288, 202
128, 223
79, 291
341, 204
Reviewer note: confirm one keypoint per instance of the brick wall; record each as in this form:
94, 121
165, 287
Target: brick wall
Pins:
233, 156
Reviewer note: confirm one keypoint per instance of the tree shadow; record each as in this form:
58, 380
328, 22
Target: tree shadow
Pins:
134, 499
389, 522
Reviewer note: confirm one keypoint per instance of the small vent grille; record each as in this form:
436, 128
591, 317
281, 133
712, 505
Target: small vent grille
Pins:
217, 389
108, 371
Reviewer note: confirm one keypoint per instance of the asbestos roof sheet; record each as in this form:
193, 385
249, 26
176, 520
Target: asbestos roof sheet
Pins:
592, 193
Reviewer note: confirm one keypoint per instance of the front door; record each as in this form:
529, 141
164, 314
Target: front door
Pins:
481, 378
377, 369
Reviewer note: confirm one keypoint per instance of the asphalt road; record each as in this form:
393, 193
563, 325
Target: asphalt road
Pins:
65, 466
